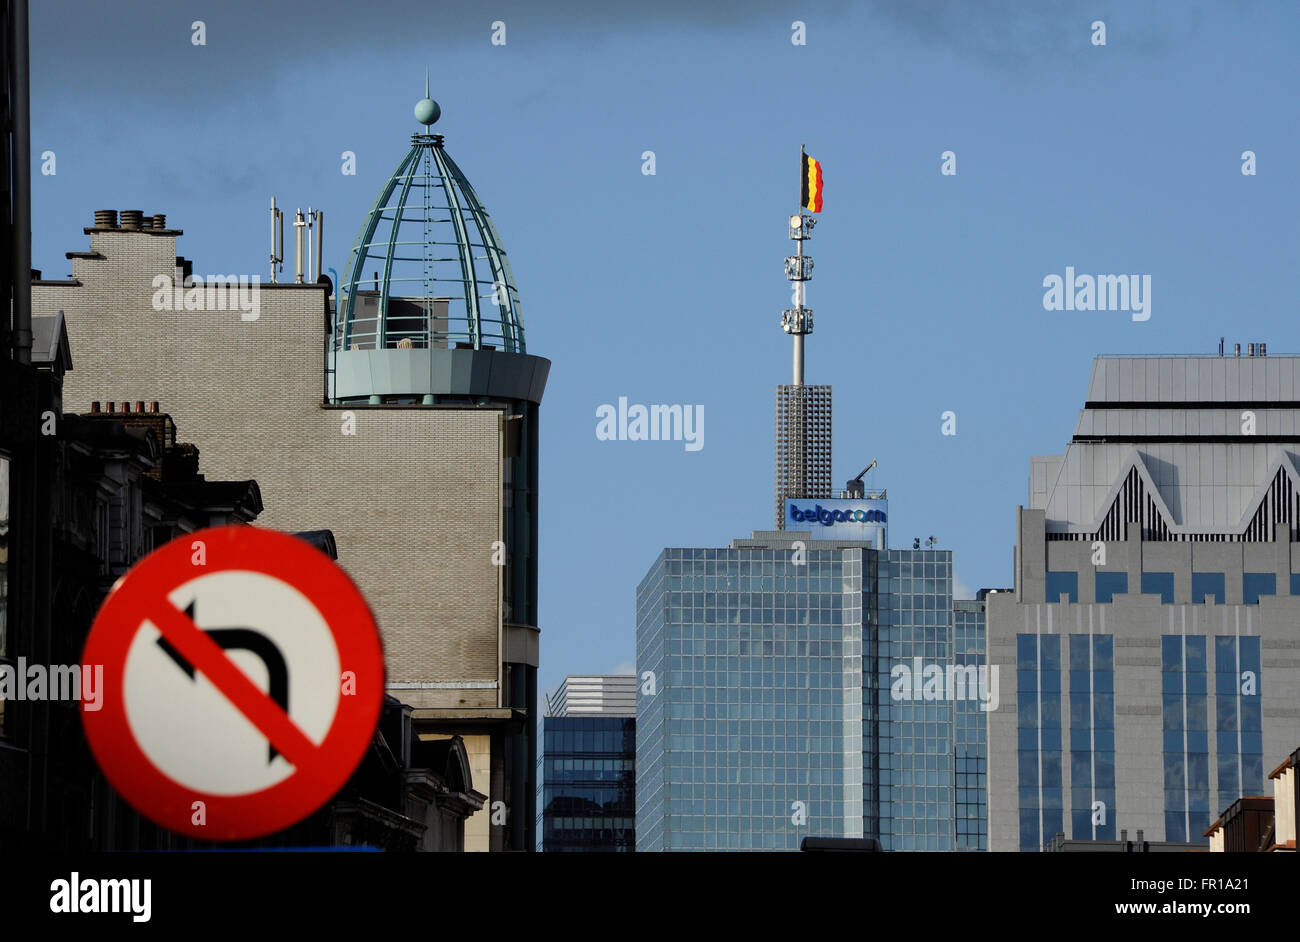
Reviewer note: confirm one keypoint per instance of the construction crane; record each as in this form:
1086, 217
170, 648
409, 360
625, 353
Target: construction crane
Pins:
854, 487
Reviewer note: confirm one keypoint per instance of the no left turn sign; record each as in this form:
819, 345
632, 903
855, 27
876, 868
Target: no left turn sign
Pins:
243, 678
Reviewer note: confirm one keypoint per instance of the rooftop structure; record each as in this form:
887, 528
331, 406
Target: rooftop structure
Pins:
603, 695
427, 310
803, 413
445, 278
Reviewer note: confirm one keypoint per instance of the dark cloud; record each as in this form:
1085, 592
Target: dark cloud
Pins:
87, 53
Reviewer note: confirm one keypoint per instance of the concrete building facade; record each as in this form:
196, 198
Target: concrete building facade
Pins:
1152, 627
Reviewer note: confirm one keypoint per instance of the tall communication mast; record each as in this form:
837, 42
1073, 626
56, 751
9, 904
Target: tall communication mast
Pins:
803, 413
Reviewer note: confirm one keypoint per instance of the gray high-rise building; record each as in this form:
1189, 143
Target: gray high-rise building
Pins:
1152, 629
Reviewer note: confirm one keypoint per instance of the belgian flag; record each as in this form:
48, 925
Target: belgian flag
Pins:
810, 175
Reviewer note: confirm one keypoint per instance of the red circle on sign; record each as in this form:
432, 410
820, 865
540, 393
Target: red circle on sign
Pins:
319, 771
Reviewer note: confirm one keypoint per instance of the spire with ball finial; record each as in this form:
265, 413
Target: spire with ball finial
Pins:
427, 111
427, 269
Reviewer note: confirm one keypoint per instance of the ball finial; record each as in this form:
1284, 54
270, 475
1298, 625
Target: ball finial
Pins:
427, 111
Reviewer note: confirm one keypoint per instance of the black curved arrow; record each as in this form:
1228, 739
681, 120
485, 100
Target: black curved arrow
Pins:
242, 639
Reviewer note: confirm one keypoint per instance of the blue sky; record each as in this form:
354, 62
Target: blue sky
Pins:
1122, 159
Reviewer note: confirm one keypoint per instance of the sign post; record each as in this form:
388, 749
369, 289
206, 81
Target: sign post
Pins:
243, 679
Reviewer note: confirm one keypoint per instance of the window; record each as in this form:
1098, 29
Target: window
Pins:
1062, 583
1186, 736
1255, 584
1110, 584
1205, 584
1159, 583
1038, 672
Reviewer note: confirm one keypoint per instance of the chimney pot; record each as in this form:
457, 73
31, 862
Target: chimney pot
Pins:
139, 405
94, 407
1236, 349
1262, 348
112, 407
126, 407
131, 219
153, 406
1250, 347
160, 220
106, 219
1139, 837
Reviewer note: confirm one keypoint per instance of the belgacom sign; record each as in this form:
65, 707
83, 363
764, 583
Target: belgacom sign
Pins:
243, 679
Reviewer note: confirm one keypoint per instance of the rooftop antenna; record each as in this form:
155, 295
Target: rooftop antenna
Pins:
299, 227
798, 321
277, 240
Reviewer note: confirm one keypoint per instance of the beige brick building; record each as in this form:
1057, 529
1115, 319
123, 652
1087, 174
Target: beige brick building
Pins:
418, 450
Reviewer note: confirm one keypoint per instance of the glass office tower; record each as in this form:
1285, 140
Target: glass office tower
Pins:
777, 711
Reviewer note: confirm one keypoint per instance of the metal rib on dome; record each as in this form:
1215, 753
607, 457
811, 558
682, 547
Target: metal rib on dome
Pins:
428, 269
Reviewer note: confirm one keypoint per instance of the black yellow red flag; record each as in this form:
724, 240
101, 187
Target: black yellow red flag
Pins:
810, 173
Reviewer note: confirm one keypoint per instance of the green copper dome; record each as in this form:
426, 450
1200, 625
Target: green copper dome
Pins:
428, 269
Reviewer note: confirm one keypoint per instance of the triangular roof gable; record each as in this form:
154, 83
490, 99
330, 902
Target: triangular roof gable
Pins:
1283, 463
1134, 460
